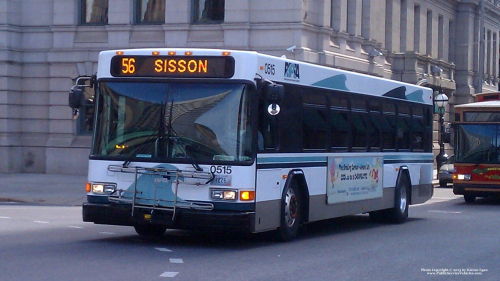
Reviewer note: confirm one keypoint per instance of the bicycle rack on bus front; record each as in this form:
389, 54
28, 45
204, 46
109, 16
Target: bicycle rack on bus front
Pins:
170, 174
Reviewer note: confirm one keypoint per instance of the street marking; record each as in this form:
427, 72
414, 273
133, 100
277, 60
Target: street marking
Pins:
163, 250
4, 217
169, 274
444, 212
107, 233
176, 261
73, 226
445, 198
41, 221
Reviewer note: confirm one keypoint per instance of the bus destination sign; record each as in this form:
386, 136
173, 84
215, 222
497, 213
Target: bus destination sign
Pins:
173, 66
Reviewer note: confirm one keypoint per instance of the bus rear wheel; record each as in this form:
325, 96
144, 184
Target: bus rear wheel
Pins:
150, 230
291, 213
399, 213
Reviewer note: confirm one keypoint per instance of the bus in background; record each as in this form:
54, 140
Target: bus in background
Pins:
237, 140
477, 147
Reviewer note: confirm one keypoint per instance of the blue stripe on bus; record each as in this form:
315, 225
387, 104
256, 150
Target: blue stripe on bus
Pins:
321, 161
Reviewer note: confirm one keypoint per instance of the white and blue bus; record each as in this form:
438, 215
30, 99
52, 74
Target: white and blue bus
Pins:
238, 140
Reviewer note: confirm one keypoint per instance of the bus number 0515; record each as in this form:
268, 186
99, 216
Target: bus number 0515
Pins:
220, 170
269, 68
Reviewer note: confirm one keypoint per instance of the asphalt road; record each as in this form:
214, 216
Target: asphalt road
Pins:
443, 237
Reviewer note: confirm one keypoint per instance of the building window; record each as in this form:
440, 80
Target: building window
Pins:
428, 44
208, 11
95, 11
150, 11
403, 26
416, 29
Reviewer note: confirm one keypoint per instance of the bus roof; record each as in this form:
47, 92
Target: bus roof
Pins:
481, 104
250, 64
487, 96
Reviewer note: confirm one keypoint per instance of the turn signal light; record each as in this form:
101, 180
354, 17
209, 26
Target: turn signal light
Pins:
247, 195
88, 187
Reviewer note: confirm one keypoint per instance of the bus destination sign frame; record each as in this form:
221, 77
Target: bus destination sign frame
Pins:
172, 66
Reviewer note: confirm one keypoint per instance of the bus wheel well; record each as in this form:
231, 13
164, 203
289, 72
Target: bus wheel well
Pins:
404, 174
298, 177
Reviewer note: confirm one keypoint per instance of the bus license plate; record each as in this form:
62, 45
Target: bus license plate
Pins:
222, 180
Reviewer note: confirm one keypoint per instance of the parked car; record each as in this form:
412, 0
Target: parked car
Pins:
445, 174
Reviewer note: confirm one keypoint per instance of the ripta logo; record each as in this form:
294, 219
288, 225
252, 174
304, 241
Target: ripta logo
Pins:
292, 71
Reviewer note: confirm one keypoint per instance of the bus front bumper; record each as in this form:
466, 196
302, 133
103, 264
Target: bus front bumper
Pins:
121, 214
479, 190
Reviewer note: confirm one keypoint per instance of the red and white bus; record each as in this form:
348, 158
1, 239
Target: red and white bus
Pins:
477, 147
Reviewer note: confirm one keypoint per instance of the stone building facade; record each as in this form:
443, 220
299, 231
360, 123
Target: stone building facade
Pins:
46, 44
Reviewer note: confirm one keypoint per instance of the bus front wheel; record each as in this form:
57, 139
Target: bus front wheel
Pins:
150, 230
469, 198
291, 212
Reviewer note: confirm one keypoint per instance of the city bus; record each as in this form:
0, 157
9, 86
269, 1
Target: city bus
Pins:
247, 142
477, 147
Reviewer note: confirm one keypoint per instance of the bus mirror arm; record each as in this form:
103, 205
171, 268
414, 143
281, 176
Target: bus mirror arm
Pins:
77, 93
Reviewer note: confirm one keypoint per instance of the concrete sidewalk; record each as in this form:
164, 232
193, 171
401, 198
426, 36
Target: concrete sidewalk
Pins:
46, 189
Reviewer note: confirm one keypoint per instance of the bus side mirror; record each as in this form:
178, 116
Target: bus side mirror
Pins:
274, 94
75, 97
75, 100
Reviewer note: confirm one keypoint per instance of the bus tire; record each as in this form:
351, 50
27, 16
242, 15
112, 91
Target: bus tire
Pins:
469, 198
150, 230
399, 213
291, 212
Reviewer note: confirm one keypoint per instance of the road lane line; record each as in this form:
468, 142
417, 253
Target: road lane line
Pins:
169, 274
444, 212
163, 250
176, 261
41, 222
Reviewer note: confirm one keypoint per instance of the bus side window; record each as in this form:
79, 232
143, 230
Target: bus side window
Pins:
389, 126
339, 120
314, 121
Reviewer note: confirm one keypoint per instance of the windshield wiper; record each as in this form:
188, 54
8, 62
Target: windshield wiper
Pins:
172, 134
142, 147
158, 134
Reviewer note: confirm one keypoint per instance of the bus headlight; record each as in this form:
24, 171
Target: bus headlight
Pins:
103, 188
462, 177
224, 194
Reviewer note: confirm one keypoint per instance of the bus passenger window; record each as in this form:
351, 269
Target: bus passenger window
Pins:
388, 131
340, 129
314, 128
358, 129
404, 126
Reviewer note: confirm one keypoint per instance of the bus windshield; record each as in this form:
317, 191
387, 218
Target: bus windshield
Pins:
478, 143
183, 122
